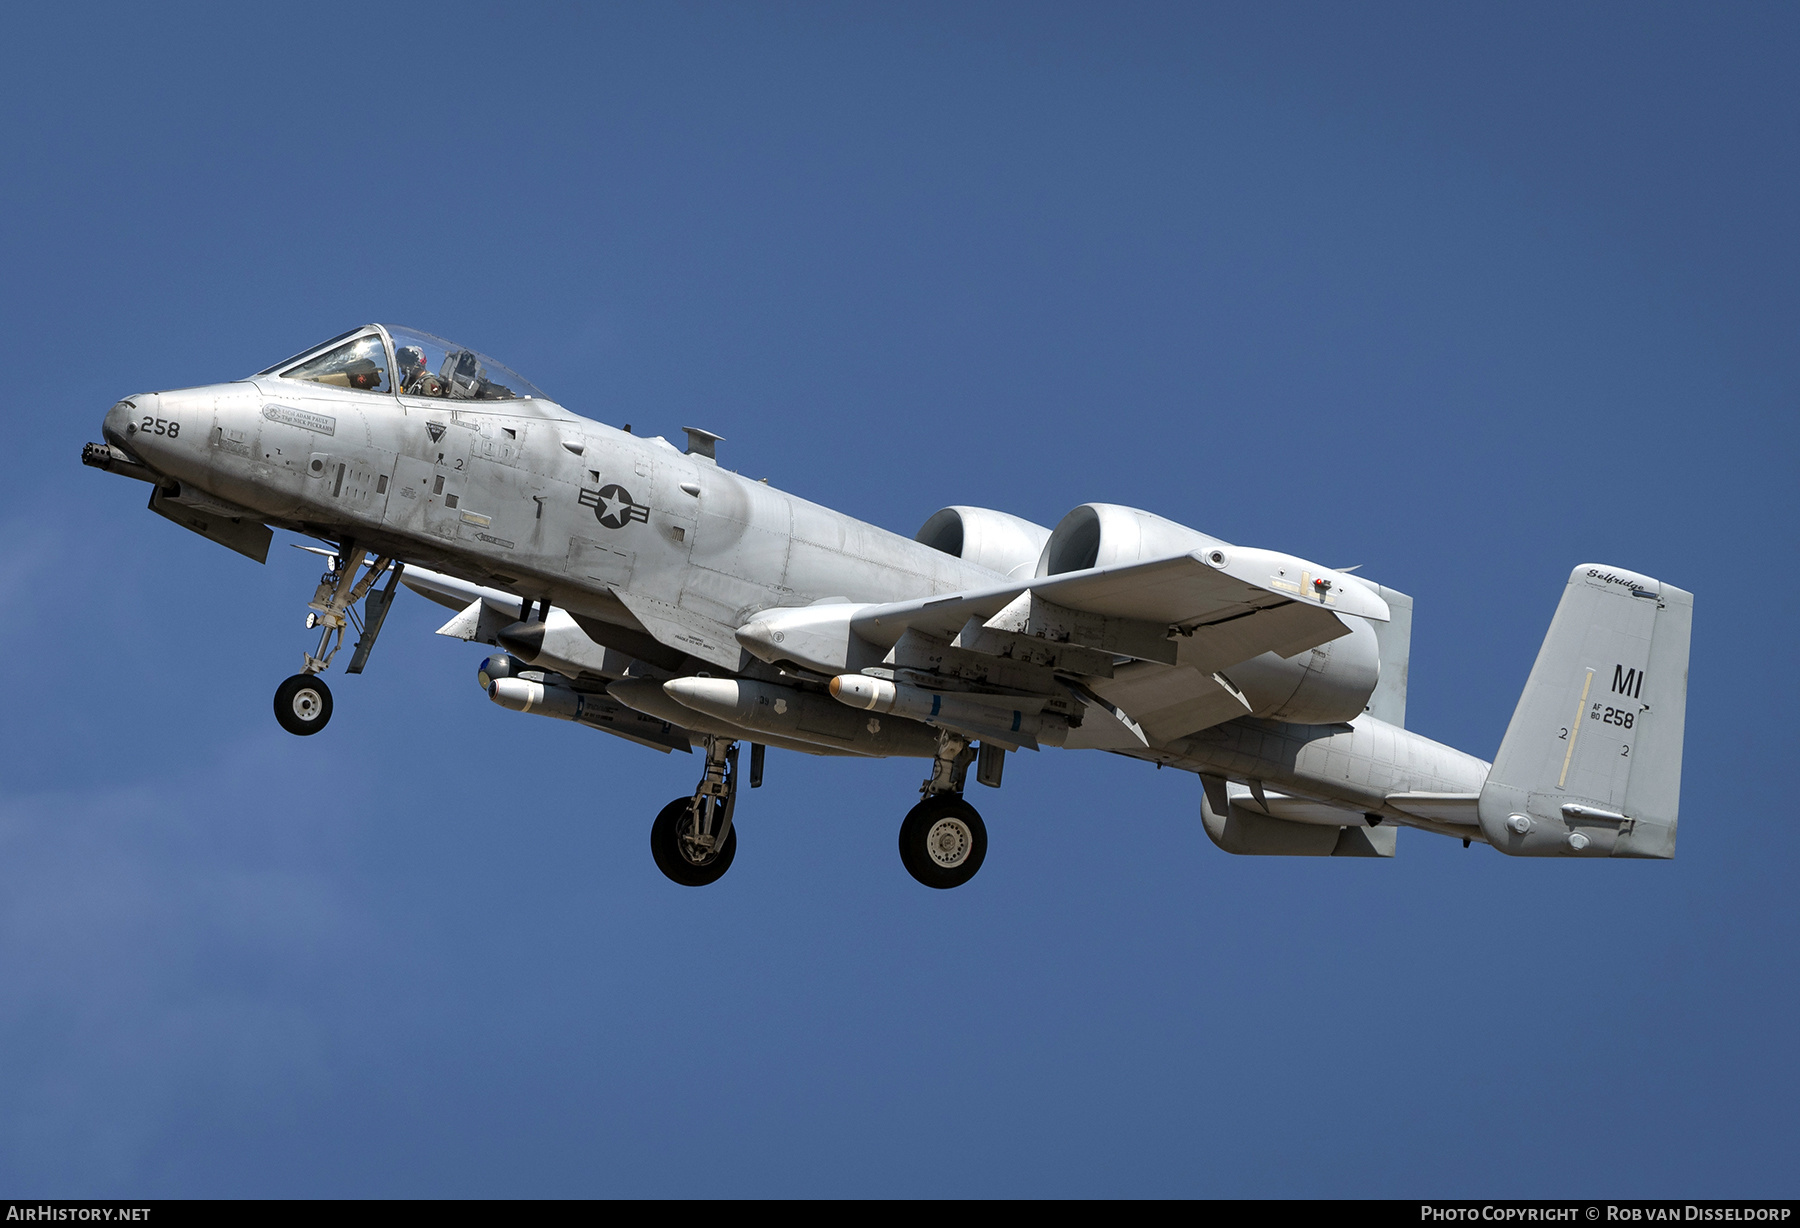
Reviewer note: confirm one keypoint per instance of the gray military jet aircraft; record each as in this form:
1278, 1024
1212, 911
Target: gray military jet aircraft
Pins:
648, 592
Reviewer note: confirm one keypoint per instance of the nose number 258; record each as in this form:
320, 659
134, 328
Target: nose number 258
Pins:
160, 426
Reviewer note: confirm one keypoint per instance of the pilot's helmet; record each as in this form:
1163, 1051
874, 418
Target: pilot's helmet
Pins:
410, 357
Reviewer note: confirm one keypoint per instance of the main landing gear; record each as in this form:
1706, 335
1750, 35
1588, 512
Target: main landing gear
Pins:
943, 840
303, 702
692, 839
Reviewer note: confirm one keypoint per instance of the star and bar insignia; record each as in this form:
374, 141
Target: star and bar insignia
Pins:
614, 507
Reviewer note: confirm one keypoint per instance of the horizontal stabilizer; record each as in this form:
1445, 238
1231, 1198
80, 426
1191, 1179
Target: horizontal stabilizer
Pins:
1235, 827
1458, 809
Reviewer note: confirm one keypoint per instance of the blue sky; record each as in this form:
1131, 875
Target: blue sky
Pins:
1464, 294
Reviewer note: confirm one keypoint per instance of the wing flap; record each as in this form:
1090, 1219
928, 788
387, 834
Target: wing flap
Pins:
1170, 703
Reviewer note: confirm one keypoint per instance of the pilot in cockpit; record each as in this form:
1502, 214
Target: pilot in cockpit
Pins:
415, 380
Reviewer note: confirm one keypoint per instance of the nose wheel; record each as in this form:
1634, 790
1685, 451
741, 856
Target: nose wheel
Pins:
303, 704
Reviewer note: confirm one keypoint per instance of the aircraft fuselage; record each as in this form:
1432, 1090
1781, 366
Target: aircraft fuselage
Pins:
559, 509
725, 610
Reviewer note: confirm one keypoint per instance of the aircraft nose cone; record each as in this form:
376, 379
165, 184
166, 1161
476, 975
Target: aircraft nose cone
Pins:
120, 424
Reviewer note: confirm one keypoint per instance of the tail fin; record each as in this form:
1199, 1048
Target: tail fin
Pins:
1591, 763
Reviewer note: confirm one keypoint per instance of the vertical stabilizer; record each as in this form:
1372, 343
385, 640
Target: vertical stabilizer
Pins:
1591, 763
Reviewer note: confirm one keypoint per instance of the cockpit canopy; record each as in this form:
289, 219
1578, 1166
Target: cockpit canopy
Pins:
385, 358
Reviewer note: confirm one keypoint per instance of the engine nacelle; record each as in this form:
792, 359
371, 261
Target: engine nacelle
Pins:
1007, 544
1106, 534
1321, 686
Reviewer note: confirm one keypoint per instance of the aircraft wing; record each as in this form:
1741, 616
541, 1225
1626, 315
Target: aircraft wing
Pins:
1181, 620
1201, 610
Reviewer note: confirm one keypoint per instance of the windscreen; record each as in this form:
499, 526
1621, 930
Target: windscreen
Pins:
309, 349
360, 364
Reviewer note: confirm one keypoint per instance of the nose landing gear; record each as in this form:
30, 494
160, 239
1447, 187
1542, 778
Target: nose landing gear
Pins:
303, 702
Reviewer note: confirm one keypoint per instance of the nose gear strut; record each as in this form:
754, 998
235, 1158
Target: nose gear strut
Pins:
303, 702
338, 590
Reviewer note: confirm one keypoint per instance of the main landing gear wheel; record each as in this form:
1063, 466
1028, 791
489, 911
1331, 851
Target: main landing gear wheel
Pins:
303, 704
676, 853
943, 841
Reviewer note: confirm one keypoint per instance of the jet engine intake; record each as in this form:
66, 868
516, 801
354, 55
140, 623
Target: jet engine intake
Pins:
1007, 544
1106, 534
